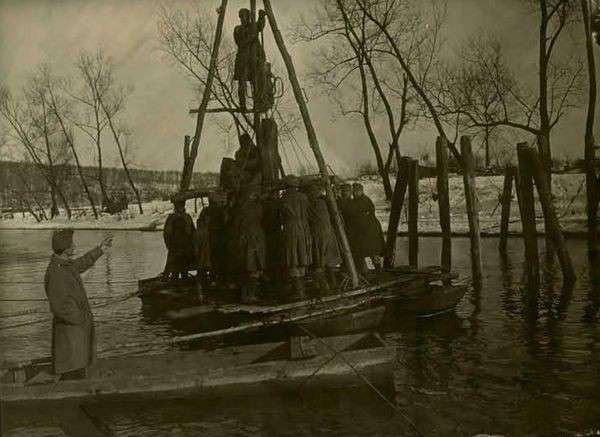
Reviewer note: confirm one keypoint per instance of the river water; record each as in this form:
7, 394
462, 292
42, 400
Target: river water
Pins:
501, 364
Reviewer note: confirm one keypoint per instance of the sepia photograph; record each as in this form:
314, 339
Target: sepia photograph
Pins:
299, 218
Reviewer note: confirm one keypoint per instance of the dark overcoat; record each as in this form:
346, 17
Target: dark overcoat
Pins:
297, 240
347, 212
73, 339
251, 238
180, 239
367, 237
324, 242
249, 52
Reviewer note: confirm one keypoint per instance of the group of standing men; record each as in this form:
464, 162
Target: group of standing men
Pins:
279, 237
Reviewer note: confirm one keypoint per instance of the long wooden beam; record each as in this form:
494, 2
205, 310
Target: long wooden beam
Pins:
314, 143
188, 167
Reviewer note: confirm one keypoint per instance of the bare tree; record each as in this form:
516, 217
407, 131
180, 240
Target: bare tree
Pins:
60, 106
355, 63
33, 126
91, 119
485, 91
386, 15
110, 99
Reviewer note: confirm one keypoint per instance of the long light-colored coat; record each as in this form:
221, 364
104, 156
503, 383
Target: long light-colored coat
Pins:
296, 231
73, 339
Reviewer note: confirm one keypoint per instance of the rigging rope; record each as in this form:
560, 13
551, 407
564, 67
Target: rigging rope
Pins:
116, 299
364, 379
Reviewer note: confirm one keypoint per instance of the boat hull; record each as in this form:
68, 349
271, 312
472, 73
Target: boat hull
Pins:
209, 372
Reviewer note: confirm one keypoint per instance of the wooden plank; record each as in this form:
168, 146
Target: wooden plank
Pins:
550, 216
441, 153
468, 168
413, 214
527, 210
314, 144
506, 201
396, 210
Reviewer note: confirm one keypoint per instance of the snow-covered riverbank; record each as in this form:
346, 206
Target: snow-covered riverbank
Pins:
568, 189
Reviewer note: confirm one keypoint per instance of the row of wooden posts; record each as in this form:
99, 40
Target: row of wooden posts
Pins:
529, 173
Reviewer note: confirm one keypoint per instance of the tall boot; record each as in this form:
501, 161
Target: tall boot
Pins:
332, 279
249, 292
322, 285
298, 290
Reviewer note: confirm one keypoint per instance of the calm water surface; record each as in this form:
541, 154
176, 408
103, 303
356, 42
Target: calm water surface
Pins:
501, 364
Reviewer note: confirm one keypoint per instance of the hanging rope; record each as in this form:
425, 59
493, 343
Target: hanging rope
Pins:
115, 300
130, 281
364, 379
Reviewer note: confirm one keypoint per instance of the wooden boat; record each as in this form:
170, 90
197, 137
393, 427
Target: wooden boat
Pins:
287, 364
340, 313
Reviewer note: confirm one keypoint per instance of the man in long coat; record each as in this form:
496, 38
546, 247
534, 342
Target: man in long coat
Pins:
326, 255
369, 241
180, 239
296, 234
250, 242
210, 230
73, 339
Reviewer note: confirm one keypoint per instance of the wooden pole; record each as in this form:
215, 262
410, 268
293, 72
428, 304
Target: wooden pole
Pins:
255, 99
314, 144
186, 177
551, 219
527, 210
441, 153
468, 168
413, 214
397, 202
506, 200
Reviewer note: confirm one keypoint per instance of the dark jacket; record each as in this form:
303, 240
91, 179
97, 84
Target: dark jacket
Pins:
367, 239
251, 236
73, 339
180, 239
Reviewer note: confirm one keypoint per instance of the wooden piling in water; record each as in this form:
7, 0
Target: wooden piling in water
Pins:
527, 211
441, 153
468, 169
506, 200
395, 212
413, 214
553, 230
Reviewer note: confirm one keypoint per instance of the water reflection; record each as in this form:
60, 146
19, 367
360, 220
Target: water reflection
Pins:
509, 360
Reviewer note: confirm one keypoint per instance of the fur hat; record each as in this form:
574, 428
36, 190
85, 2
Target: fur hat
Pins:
62, 239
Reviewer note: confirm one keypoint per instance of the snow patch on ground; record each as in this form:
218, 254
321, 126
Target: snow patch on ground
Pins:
568, 190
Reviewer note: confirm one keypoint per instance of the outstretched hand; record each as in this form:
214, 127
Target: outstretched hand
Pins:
106, 242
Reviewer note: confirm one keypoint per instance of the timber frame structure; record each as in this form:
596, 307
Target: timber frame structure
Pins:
191, 147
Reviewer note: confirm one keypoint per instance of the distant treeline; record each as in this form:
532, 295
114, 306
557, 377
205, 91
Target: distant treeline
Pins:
21, 180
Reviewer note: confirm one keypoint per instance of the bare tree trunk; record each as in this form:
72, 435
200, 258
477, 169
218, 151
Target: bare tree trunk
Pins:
79, 169
592, 182
122, 156
412, 79
69, 140
385, 178
101, 181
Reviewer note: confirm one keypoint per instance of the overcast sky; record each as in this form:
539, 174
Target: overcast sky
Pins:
34, 31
